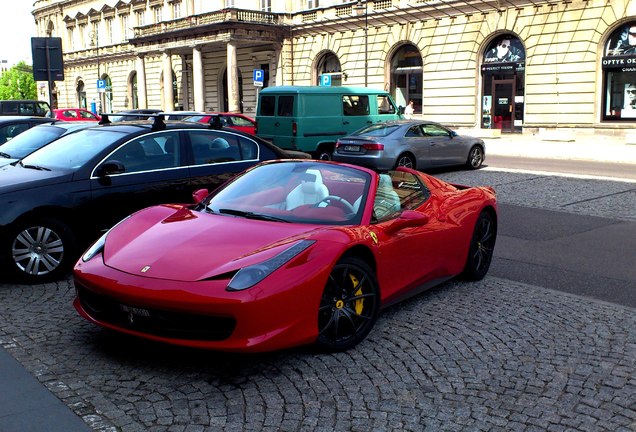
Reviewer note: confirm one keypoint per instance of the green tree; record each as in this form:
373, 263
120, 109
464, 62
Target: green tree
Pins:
18, 83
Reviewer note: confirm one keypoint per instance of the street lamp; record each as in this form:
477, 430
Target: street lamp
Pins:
359, 7
94, 35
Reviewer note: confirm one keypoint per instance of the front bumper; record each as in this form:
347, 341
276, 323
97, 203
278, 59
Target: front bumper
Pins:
279, 312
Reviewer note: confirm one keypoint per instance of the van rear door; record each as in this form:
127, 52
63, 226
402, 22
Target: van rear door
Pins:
276, 118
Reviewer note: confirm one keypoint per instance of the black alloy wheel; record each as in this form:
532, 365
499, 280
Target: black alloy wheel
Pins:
475, 157
41, 250
482, 246
406, 161
349, 306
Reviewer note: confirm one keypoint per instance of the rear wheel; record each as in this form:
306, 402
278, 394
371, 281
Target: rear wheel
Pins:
324, 153
40, 250
406, 161
475, 157
482, 246
349, 306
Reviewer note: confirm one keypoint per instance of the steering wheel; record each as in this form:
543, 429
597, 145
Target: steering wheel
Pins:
329, 199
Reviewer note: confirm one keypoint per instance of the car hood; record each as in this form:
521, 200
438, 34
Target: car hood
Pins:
174, 242
15, 178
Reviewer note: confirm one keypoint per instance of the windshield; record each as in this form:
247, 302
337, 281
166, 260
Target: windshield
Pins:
195, 118
30, 140
301, 192
73, 150
378, 130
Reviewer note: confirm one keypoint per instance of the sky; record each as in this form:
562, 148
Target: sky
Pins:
16, 29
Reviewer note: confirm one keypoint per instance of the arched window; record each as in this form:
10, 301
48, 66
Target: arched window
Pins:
619, 74
406, 77
81, 94
133, 98
329, 65
503, 78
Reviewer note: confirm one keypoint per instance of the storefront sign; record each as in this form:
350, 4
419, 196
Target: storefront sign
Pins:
628, 64
501, 68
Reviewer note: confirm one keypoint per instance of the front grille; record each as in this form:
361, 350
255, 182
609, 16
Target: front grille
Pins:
177, 325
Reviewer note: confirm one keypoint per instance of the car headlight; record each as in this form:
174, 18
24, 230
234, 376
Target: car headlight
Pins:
98, 246
249, 276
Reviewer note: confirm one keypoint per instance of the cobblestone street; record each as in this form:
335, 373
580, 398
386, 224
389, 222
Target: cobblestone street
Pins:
481, 356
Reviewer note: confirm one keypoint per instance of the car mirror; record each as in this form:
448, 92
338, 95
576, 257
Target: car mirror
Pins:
453, 134
407, 219
199, 195
110, 167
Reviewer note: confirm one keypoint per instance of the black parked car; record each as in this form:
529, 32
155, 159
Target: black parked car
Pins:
12, 126
58, 199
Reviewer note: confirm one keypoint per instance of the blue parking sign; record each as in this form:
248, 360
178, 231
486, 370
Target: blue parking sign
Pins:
325, 80
259, 77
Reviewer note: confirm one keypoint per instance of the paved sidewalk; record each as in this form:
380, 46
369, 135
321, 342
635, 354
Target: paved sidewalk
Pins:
548, 146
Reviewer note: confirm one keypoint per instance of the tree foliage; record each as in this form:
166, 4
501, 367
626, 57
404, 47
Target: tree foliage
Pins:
18, 83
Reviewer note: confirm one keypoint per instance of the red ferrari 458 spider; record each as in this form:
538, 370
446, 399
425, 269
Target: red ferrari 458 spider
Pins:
287, 253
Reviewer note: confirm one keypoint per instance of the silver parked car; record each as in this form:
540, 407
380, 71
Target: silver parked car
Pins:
414, 144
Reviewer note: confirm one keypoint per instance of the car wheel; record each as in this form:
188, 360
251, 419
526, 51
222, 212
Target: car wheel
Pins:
41, 250
349, 306
406, 161
482, 246
324, 154
475, 157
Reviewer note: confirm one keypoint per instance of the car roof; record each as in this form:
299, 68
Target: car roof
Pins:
69, 125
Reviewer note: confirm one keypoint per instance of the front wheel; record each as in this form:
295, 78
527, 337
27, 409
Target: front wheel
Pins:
349, 306
482, 246
475, 157
40, 250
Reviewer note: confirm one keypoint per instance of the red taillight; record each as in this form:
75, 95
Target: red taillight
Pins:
373, 146
294, 128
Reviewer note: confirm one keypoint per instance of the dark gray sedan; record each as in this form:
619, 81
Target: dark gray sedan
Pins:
414, 144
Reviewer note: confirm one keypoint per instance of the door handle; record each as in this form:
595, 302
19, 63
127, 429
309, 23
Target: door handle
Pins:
277, 124
345, 122
369, 122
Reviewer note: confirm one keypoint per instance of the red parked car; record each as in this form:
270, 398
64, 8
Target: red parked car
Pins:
232, 120
75, 114
287, 253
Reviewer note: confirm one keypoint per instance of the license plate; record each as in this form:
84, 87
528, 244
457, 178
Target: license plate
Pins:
352, 148
135, 311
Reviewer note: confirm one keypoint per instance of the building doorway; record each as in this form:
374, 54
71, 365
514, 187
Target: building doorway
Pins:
407, 77
503, 88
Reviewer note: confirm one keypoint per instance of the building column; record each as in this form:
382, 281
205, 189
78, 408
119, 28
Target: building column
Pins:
142, 96
185, 84
232, 79
197, 79
168, 93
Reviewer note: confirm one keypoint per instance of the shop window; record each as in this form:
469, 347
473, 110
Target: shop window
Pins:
619, 74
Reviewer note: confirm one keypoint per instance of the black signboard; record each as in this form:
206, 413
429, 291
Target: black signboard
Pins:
48, 64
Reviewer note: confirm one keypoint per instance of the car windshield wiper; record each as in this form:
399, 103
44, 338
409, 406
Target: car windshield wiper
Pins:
36, 167
5, 155
252, 215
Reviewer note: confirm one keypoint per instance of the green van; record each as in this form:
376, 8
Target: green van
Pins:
311, 119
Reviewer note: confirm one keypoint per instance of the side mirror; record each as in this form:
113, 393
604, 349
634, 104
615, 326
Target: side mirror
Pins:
110, 167
199, 195
407, 219
453, 134
401, 110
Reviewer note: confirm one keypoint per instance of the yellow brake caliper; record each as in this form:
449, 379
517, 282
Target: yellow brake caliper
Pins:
358, 304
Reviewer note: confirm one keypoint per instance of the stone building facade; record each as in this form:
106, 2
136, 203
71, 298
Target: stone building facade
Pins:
497, 66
